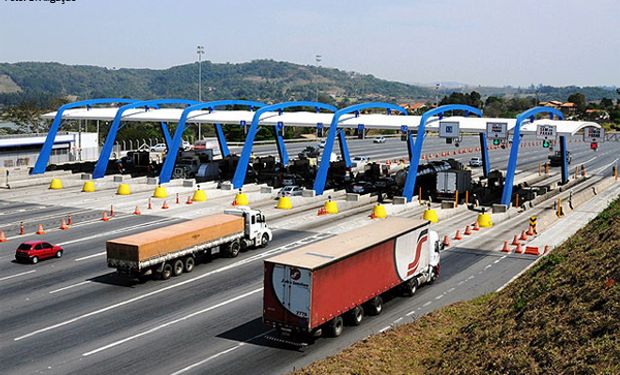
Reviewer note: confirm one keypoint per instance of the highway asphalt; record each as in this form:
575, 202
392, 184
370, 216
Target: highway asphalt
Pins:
74, 315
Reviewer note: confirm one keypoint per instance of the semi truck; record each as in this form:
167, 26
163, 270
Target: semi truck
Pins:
172, 250
314, 289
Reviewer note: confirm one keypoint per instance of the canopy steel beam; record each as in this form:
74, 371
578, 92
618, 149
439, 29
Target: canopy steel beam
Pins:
344, 149
486, 166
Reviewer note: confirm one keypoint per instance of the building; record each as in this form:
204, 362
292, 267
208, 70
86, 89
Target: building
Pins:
22, 150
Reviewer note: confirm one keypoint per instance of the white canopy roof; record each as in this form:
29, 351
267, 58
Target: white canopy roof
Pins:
310, 119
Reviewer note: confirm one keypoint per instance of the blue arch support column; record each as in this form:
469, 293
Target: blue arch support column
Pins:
344, 149
321, 175
44, 155
166, 133
486, 166
410, 145
166, 171
417, 147
514, 149
104, 157
279, 128
564, 160
244, 159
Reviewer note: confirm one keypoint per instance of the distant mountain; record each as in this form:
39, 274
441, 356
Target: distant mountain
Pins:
266, 80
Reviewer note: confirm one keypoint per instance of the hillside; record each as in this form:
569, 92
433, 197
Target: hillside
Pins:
561, 317
266, 80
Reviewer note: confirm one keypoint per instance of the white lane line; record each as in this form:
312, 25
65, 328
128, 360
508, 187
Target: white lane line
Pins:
16, 275
426, 304
497, 261
161, 326
439, 297
488, 266
70, 286
461, 282
410, 313
384, 329
398, 320
90, 256
504, 257
450, 290
154, 292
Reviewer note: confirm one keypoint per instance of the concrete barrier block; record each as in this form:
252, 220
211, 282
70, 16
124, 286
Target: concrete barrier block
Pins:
352, 197
445, 205
399, 200
226, 186
151, 181
86, 176
117, 178
266, 189
499, 208
308, 193
189, 183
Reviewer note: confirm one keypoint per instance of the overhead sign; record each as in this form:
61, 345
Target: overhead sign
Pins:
449, 129
497, 130
591, 134
546, 132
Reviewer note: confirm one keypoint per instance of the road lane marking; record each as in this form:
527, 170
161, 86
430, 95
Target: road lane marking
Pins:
175, 321
488, 266
214, 356
439, 297
497, 261
410, 313
70, 286
157, 291
17, 275
450, 290
398, 320
90, 256
426, 304
384, 329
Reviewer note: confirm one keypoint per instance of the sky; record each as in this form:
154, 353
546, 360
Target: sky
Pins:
479, 42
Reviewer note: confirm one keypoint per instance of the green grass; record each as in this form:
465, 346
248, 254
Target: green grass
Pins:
560, 317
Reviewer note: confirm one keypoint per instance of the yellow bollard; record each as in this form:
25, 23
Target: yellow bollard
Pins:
241, 199
467, 197
379, 211
456, 199
56, 184
484, 220
160, 192
284, 203
123, 189
199, 195
559, 213
331, 207
89, 187
430, 215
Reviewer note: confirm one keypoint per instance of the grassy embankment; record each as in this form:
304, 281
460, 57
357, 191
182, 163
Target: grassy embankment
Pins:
561, 317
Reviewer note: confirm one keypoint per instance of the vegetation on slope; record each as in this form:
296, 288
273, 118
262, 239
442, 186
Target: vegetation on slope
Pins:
561, 317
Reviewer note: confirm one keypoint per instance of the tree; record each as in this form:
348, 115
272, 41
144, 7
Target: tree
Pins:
607, 103
580, 101
27, 117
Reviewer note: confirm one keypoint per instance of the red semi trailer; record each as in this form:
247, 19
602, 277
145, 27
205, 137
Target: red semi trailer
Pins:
316, 288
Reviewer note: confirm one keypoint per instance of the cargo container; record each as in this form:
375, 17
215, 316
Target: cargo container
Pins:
452, 181
314, 289
172, 250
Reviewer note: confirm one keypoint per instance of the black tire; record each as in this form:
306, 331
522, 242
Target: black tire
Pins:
233, 249
177, 267
355, 316
34, 260
335, 327
433, 276
59, 254
264, 241
166, 271
410, 287
189, 264
374, 306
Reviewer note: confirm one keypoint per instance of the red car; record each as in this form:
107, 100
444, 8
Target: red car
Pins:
34, 251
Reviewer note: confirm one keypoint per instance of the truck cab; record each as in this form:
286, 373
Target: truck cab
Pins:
257, 233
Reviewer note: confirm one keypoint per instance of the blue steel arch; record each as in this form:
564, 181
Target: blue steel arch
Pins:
44, 155
321, 175
104, 157
167, 168
514, 149
244, 159
417, 147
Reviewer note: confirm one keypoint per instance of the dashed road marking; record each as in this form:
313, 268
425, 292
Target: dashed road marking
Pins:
439, 297
426, 304
17, 275
384, 329
90, 256
70, 286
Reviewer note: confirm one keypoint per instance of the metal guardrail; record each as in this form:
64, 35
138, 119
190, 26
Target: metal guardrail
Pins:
612, 137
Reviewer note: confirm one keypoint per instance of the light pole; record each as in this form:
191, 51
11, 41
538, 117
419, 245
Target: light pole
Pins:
201, 51
317, 58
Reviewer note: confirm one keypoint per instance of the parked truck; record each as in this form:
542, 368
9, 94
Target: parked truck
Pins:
316, 288
172, 250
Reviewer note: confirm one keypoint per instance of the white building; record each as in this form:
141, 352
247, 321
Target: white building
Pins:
22, 150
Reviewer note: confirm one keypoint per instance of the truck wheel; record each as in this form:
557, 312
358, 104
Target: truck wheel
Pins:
189, 264
410, 287
355, 316
166, 272
335, 327
264, 240
177, 267
34, 260
233, 249
374, 306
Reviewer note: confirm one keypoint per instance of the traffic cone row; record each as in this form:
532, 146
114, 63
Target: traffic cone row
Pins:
505, 249
137, 211
63, 225
2, 236
446, 242
322, 211
40, 230
164, 206
104, 216
189, 200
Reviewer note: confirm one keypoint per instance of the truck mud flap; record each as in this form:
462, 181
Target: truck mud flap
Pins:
298, 345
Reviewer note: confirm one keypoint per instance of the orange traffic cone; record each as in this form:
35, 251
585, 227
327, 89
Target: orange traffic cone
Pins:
372, 215
458, 236
446, 241
234, 202
530, 231
505, 249
515, 241
547, 249
137, 211
178, 201
40, 229
63, 225
69, 220
105, 217
467, 230
476, 226
189, 200
518, 249
21, 229
2, 236
150, 206
164, 206
523, 236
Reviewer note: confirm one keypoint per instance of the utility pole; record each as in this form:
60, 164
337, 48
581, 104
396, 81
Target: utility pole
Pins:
318, 59
201, 51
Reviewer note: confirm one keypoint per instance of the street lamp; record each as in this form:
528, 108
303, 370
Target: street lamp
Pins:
200, 50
